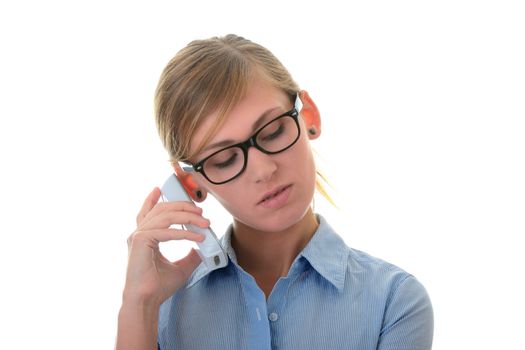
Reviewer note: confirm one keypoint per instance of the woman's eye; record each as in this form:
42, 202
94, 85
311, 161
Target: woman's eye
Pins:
274, 134
226, 163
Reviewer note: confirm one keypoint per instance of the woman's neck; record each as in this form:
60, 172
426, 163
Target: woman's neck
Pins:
267, 256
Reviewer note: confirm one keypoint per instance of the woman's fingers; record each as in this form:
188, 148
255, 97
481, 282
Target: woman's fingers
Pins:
152, 209
150, 275
167, 234
174, 217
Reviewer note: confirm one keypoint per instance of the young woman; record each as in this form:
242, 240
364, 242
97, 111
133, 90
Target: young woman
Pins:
227, 108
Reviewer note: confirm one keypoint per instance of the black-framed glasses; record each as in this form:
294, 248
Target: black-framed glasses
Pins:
275, 136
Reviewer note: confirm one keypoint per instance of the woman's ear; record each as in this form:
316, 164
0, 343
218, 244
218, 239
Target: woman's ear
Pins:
310, 115
196, 192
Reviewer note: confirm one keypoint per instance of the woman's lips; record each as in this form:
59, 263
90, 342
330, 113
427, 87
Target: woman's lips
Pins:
276, 198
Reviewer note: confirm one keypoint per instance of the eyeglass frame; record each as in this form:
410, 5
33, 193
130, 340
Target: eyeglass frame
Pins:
247, 144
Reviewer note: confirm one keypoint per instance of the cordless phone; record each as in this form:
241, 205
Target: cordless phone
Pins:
210, 250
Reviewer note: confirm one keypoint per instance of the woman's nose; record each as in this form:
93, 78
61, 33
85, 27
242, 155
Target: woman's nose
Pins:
261, 166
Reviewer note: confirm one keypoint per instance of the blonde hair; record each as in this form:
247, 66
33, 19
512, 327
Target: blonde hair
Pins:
207, 76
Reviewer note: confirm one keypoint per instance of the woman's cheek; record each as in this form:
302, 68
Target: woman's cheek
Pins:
234, 202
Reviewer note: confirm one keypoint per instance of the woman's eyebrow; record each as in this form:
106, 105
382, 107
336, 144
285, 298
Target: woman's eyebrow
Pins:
262, 118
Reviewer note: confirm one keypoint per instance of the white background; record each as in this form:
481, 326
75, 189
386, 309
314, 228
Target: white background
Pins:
423, 140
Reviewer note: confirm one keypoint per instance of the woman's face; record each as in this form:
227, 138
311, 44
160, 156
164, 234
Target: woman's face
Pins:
274, 191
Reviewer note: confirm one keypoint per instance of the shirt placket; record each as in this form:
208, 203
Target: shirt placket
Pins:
255, 302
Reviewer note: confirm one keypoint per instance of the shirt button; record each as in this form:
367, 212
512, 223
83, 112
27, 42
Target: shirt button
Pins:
273, 317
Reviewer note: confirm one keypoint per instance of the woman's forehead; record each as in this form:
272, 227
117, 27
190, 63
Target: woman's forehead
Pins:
261, 101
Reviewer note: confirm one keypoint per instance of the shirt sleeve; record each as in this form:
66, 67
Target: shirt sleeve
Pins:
409, 320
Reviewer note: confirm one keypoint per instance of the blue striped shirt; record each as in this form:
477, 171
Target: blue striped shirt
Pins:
333, 297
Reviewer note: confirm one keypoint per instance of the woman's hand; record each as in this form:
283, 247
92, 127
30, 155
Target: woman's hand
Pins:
151, 278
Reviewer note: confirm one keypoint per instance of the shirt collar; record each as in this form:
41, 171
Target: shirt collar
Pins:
326, 252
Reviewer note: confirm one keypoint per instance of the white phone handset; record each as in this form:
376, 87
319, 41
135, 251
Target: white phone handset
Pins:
210, 250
